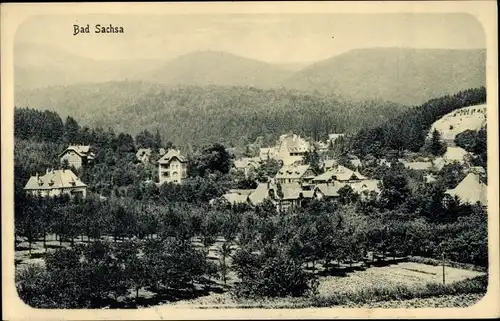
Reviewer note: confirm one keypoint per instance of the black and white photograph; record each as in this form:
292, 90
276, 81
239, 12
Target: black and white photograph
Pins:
251, 160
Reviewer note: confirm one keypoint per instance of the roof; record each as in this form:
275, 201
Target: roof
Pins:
455, 154
339, 173
63, 178
470, 190
81, 150
355, 161
366, 185
235, 198
241, 191
292, 172
291, 191
246, 162
329, 190
173, 153
308, 194
429, 178
418, 166
294, 143
259, 194
330, 163
292, 160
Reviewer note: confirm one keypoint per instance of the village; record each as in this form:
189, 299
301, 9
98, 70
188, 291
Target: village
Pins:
294, 184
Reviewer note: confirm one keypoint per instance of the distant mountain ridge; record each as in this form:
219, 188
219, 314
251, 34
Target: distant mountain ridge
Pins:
409, 76
201, 68
405, 76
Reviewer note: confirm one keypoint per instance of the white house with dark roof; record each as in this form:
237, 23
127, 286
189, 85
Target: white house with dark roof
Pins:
77, 156
172, 167
56, 183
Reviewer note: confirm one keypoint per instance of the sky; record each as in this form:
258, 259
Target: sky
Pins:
274, 38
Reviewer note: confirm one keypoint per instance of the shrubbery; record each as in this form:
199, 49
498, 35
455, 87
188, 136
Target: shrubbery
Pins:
272, 273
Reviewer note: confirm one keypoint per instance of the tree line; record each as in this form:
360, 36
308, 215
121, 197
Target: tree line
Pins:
408, 130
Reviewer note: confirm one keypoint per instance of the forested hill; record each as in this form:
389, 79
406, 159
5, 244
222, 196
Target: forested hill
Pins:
402, 75
201, 68
408, 76
408, 130
199, 115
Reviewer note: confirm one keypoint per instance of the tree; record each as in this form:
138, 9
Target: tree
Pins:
435, 146
157, 141
312, 158
125, 143
212, 158
270, 274
347, 195
71, 131
394, 190
268, 169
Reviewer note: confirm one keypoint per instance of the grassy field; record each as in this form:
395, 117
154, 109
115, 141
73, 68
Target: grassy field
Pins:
372, 284
401, 285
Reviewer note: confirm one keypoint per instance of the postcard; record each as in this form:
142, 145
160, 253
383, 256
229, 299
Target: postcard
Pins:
250, 160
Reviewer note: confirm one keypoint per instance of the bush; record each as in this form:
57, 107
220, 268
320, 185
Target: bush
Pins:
271, 274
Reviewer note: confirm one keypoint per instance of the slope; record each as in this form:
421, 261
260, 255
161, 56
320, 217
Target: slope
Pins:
198, 115
407, 76
216, 68
38, 66
460, 120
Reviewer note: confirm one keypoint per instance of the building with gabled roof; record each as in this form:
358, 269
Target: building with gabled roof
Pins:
258, 196
292, 145
235, 198
172, 167
295, 174
366, 187
56, 183
328, 164
288, 195
328, 191
470, 190
77, 155
338, 173
247, 164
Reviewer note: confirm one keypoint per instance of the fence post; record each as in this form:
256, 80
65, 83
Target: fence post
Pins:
444, 280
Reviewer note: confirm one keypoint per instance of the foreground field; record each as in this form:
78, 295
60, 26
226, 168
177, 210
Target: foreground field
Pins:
401, 285
373, 284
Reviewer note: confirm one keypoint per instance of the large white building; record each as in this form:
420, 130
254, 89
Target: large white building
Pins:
56, 183
172, 167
